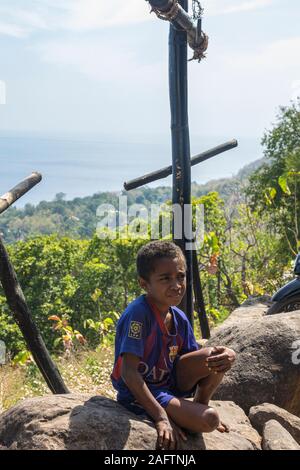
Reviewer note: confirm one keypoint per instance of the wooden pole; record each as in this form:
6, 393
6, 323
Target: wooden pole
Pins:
181, 157
19, 190
182, 31
23, 317
199, 299
167, 171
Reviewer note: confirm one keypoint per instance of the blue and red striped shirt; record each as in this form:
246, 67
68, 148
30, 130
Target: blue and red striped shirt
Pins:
142, 332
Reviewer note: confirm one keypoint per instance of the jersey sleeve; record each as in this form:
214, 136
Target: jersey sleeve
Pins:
189, 342
134, 333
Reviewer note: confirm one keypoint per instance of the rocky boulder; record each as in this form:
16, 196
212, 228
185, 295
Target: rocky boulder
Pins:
261, 414
266, 369
75, 421
275, 437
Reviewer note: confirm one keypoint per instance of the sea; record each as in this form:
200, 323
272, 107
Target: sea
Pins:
79, 165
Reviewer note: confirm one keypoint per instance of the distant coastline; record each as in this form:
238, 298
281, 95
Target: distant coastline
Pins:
84, 165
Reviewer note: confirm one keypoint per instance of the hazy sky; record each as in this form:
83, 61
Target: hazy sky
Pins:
101, 66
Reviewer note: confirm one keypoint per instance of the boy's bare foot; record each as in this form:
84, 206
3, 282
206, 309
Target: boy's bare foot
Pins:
223, 427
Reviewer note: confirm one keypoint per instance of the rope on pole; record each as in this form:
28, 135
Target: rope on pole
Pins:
171, 10
168, 15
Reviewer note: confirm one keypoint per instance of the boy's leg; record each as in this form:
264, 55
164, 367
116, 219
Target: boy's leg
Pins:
193, 416
191, 369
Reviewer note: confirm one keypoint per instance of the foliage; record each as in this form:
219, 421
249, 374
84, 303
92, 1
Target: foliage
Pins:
274, 189
68, 336
63, 279
9, 330
22, 358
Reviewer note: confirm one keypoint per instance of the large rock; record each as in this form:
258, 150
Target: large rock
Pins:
261, 414
76, 421
239, 424
275, 437
264, 370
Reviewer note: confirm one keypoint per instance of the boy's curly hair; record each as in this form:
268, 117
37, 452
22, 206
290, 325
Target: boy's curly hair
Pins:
151, 252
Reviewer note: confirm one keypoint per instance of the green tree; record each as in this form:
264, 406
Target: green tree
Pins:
61, 277
274, 189
47, 268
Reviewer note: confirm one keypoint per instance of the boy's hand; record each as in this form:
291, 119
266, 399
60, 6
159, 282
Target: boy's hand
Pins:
169, 434
221, 359
179, 434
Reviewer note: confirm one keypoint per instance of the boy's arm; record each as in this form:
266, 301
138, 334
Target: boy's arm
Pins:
139, 389
168, 435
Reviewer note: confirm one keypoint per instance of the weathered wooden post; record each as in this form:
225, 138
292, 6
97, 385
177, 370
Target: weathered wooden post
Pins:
199, 299
182, 31
18, 191
181, 154
17, 303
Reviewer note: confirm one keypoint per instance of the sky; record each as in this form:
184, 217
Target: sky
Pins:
101, 67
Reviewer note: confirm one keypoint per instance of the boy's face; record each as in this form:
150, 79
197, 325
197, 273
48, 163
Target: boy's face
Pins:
167, 283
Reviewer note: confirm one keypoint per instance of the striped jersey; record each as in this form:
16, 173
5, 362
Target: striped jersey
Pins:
142, 332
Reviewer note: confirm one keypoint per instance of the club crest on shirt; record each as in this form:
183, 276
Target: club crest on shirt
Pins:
135, 330
173, 353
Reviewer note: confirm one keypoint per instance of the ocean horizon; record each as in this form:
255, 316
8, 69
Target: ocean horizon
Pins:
81, 165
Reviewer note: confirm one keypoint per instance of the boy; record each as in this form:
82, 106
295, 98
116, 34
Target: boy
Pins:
157, 360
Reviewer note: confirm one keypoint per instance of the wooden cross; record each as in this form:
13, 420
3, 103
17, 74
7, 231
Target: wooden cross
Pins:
183, 31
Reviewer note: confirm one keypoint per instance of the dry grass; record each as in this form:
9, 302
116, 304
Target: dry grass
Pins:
84, 372
11, 386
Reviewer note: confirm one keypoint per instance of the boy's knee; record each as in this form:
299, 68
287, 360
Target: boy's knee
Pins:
210, 420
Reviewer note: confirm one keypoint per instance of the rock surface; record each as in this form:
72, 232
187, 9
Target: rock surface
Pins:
261, 414
75, 421
275, 437
264, 370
